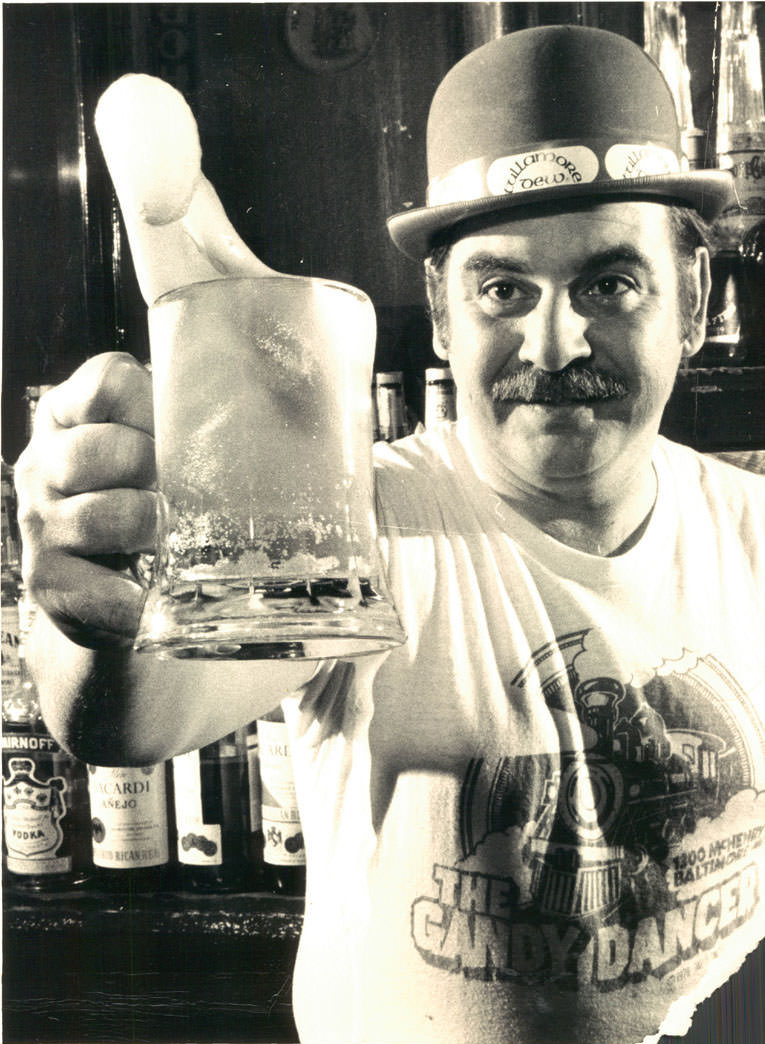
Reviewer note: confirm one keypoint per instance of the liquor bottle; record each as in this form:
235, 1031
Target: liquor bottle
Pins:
130, 827
284, 863
11, 549
740, 130
391, 405
45, 802
740, 122
440, 395
752, 252
212, 816
45, 799
11, 582
255, 839
375, 415
723, 341
666, 41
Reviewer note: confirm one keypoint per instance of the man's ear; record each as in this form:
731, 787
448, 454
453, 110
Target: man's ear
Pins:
700, 284
436, 308
438, 346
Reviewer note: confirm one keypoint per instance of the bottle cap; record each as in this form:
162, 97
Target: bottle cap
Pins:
438, 373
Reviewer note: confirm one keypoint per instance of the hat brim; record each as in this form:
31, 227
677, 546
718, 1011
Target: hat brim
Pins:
707, 191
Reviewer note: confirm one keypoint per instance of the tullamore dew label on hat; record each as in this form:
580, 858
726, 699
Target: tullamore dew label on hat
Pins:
541, 169
548, 167
640, 161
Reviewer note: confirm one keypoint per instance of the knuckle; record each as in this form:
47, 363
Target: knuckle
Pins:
113, 368
100, 456
148, 526
84, 523
66, 459
30, 519
42, 420
31, 510
85, 452
62, 463
140, 513
104, 367
36, 574
24, 472
108, 522
104, 387
43, 408
119, 375
132, 455
120, 362
39, 469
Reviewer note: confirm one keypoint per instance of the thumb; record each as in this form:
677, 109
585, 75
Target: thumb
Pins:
176, 225
216, 238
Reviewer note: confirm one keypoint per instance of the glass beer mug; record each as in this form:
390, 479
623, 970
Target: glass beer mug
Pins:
266, 543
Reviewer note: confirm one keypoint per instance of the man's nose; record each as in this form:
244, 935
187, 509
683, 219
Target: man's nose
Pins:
554, 334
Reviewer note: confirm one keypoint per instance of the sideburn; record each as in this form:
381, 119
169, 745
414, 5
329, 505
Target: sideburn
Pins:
435, 286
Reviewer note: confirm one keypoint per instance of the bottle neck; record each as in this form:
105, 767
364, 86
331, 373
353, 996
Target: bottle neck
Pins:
740, 111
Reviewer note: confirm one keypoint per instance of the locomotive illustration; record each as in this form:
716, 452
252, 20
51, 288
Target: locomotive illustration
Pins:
609, 812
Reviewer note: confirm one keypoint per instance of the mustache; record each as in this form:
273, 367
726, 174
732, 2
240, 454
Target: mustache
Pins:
578, 382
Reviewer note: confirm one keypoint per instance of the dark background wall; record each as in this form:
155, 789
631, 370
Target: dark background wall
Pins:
312, 120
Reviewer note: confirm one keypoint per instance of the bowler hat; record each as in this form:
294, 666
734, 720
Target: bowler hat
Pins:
558, 112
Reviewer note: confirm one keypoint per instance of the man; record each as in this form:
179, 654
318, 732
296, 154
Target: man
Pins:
538, 820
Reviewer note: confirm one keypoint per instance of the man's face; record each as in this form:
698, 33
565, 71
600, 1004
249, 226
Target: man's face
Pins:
565, 332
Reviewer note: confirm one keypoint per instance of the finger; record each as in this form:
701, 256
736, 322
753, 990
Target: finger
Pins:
114, 521
125, 563
109, 387
91, 604
99, 456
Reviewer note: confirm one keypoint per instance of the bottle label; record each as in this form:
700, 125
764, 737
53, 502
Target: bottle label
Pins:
200, 842
440, 402
723, 322
128, 808
10, 648
282, 831
33, 806
390, 412
748, 169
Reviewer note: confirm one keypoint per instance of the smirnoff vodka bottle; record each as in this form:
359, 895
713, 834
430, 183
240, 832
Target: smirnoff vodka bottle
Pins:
45, 803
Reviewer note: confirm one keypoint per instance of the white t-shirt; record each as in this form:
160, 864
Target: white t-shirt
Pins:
541, 820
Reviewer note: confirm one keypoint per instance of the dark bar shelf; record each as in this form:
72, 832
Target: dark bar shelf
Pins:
169, 967
183, 968
717, 408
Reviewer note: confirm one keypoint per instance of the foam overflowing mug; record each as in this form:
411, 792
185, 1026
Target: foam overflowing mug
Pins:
266, 543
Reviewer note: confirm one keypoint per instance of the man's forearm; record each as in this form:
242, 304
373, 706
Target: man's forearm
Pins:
119, 707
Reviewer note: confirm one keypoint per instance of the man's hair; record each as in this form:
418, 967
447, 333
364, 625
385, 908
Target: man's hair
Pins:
689, 230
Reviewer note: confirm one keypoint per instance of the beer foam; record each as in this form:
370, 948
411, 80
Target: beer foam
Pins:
290, 351
259, 565
201, 460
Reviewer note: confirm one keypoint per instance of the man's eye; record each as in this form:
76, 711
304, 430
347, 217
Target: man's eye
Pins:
500, 297
609, 286
500, 291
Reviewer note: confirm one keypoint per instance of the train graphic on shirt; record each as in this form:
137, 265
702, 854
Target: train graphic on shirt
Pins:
598, 823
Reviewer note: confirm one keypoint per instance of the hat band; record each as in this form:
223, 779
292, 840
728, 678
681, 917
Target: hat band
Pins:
551, 165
